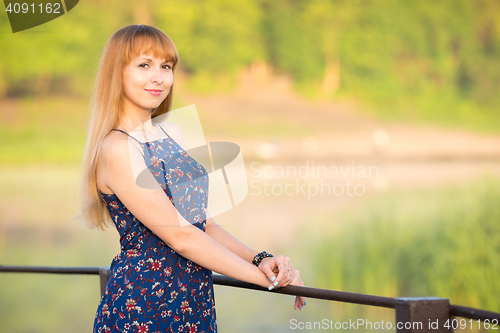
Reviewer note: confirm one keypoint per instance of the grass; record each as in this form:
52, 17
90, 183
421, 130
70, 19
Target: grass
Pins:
443, 243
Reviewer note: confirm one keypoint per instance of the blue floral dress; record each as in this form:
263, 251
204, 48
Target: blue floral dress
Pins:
151, 287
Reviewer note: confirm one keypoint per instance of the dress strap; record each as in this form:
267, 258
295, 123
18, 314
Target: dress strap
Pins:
164, 131
140, 150
115, 129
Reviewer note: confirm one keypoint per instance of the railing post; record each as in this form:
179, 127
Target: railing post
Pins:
103, 278
422, 314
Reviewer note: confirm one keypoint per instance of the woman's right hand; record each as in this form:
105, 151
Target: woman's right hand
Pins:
278, 269
286, 275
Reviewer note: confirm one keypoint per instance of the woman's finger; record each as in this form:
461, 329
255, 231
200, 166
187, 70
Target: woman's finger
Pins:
282, 273
265, 267
288, 277
300, 301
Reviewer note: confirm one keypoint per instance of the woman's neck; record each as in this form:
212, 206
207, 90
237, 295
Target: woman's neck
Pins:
137, 120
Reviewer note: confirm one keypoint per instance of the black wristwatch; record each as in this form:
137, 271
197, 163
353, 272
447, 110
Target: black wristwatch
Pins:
259, 256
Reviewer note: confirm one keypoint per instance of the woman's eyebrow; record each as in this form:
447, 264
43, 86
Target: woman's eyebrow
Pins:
152, 60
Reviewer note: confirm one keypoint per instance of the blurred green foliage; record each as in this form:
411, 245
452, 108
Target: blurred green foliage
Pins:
412, 60
442, 243
35, 131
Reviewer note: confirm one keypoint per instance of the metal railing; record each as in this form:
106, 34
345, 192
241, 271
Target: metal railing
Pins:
409, 311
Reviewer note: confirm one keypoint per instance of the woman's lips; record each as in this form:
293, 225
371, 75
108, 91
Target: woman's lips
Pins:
154, 92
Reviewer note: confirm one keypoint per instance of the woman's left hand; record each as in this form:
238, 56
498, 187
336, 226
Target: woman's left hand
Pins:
300, 301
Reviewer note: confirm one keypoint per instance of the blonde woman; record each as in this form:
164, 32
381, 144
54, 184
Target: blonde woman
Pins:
161, 281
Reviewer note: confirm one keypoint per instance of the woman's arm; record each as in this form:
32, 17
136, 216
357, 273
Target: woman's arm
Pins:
268, 265
154, 209
286, 274
229, 241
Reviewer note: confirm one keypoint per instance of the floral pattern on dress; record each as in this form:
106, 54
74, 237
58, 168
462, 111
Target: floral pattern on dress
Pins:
151, 287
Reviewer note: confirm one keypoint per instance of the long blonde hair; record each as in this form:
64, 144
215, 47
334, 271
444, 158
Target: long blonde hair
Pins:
106, 105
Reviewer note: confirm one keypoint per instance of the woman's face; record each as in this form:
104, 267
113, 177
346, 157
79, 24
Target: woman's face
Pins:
147, 82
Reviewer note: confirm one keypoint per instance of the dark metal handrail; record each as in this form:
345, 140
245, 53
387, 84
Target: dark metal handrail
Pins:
407, 309
466, 312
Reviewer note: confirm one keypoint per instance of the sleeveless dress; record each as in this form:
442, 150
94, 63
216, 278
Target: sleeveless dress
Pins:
151, 287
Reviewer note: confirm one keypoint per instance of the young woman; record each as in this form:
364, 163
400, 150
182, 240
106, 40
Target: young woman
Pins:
161, 281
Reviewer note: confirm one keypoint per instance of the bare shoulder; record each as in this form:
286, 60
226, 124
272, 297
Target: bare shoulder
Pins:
118, 152
114, 145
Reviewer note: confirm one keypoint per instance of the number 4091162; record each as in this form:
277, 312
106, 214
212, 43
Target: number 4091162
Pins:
49, 8
463, 323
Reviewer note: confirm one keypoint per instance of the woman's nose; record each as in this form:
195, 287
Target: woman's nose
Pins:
157, 76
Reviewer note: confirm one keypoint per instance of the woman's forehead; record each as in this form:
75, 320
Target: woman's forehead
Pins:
151, 47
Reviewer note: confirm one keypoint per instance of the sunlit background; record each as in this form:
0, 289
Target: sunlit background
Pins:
370, 131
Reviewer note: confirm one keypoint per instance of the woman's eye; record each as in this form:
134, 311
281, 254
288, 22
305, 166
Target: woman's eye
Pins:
164, 66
